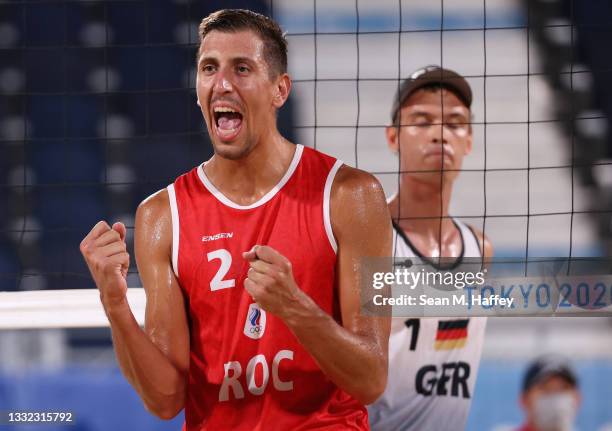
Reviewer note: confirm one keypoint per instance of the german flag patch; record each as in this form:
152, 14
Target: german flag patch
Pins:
451, 334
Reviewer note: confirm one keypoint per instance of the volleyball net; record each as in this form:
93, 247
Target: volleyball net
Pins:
98, 111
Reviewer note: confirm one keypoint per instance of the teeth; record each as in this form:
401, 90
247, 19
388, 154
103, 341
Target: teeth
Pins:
224, 109
227, 132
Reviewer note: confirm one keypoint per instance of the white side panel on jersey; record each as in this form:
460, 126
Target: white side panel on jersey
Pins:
175, 228
326, 205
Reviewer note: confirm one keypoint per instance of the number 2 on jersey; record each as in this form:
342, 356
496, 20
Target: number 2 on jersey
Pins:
225, 257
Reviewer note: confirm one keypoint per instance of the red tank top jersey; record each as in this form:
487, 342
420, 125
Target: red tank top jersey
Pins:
247, 369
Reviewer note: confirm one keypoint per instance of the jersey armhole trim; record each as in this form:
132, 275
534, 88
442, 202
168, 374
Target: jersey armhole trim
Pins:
478, 243
326, 204
175, 228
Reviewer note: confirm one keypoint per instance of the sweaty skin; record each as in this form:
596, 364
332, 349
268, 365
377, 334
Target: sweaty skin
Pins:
249, 160
432, 141
354, 355
154, 360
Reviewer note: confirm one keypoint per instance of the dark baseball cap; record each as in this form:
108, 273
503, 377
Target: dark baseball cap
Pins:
432, 75
548, 366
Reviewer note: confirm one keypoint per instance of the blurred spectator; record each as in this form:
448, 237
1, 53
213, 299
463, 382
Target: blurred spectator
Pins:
550, 395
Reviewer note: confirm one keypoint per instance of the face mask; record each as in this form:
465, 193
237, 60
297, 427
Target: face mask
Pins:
555, 412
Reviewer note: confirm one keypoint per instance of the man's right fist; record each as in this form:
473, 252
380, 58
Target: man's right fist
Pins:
106, 255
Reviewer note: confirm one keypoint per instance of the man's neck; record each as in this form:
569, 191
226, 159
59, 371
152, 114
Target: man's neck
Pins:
419, 205
249, 178
421, 210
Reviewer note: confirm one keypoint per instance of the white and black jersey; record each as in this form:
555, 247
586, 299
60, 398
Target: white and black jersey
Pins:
433, 362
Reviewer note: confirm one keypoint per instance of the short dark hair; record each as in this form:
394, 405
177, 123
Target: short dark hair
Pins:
233, 20
549, 366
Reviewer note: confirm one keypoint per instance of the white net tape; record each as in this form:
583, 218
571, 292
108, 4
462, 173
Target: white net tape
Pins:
72, 308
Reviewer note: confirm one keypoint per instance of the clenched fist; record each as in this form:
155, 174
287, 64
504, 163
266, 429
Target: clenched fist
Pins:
106, 255
270, 281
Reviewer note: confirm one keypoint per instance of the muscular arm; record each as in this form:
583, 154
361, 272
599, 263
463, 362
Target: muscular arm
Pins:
353, 355
155, 360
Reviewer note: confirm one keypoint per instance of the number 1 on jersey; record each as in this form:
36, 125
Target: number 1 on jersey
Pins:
225, 257
415, 324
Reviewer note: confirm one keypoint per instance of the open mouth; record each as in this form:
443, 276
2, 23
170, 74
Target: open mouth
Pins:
228, 122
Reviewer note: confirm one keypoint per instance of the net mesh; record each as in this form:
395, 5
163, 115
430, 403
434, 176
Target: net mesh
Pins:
99, 112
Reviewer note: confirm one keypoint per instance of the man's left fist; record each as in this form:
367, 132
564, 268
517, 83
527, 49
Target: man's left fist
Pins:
270, 281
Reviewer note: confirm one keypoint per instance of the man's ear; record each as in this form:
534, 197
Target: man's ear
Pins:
392, 141
282, 90
525, 401
578, 398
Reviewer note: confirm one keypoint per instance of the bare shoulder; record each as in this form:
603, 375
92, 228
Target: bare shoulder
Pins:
351, 183
488, 246
154, 221
154, 206
357, 202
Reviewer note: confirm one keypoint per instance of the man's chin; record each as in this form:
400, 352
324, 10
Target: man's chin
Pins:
434, 176
438, 167
233, 150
